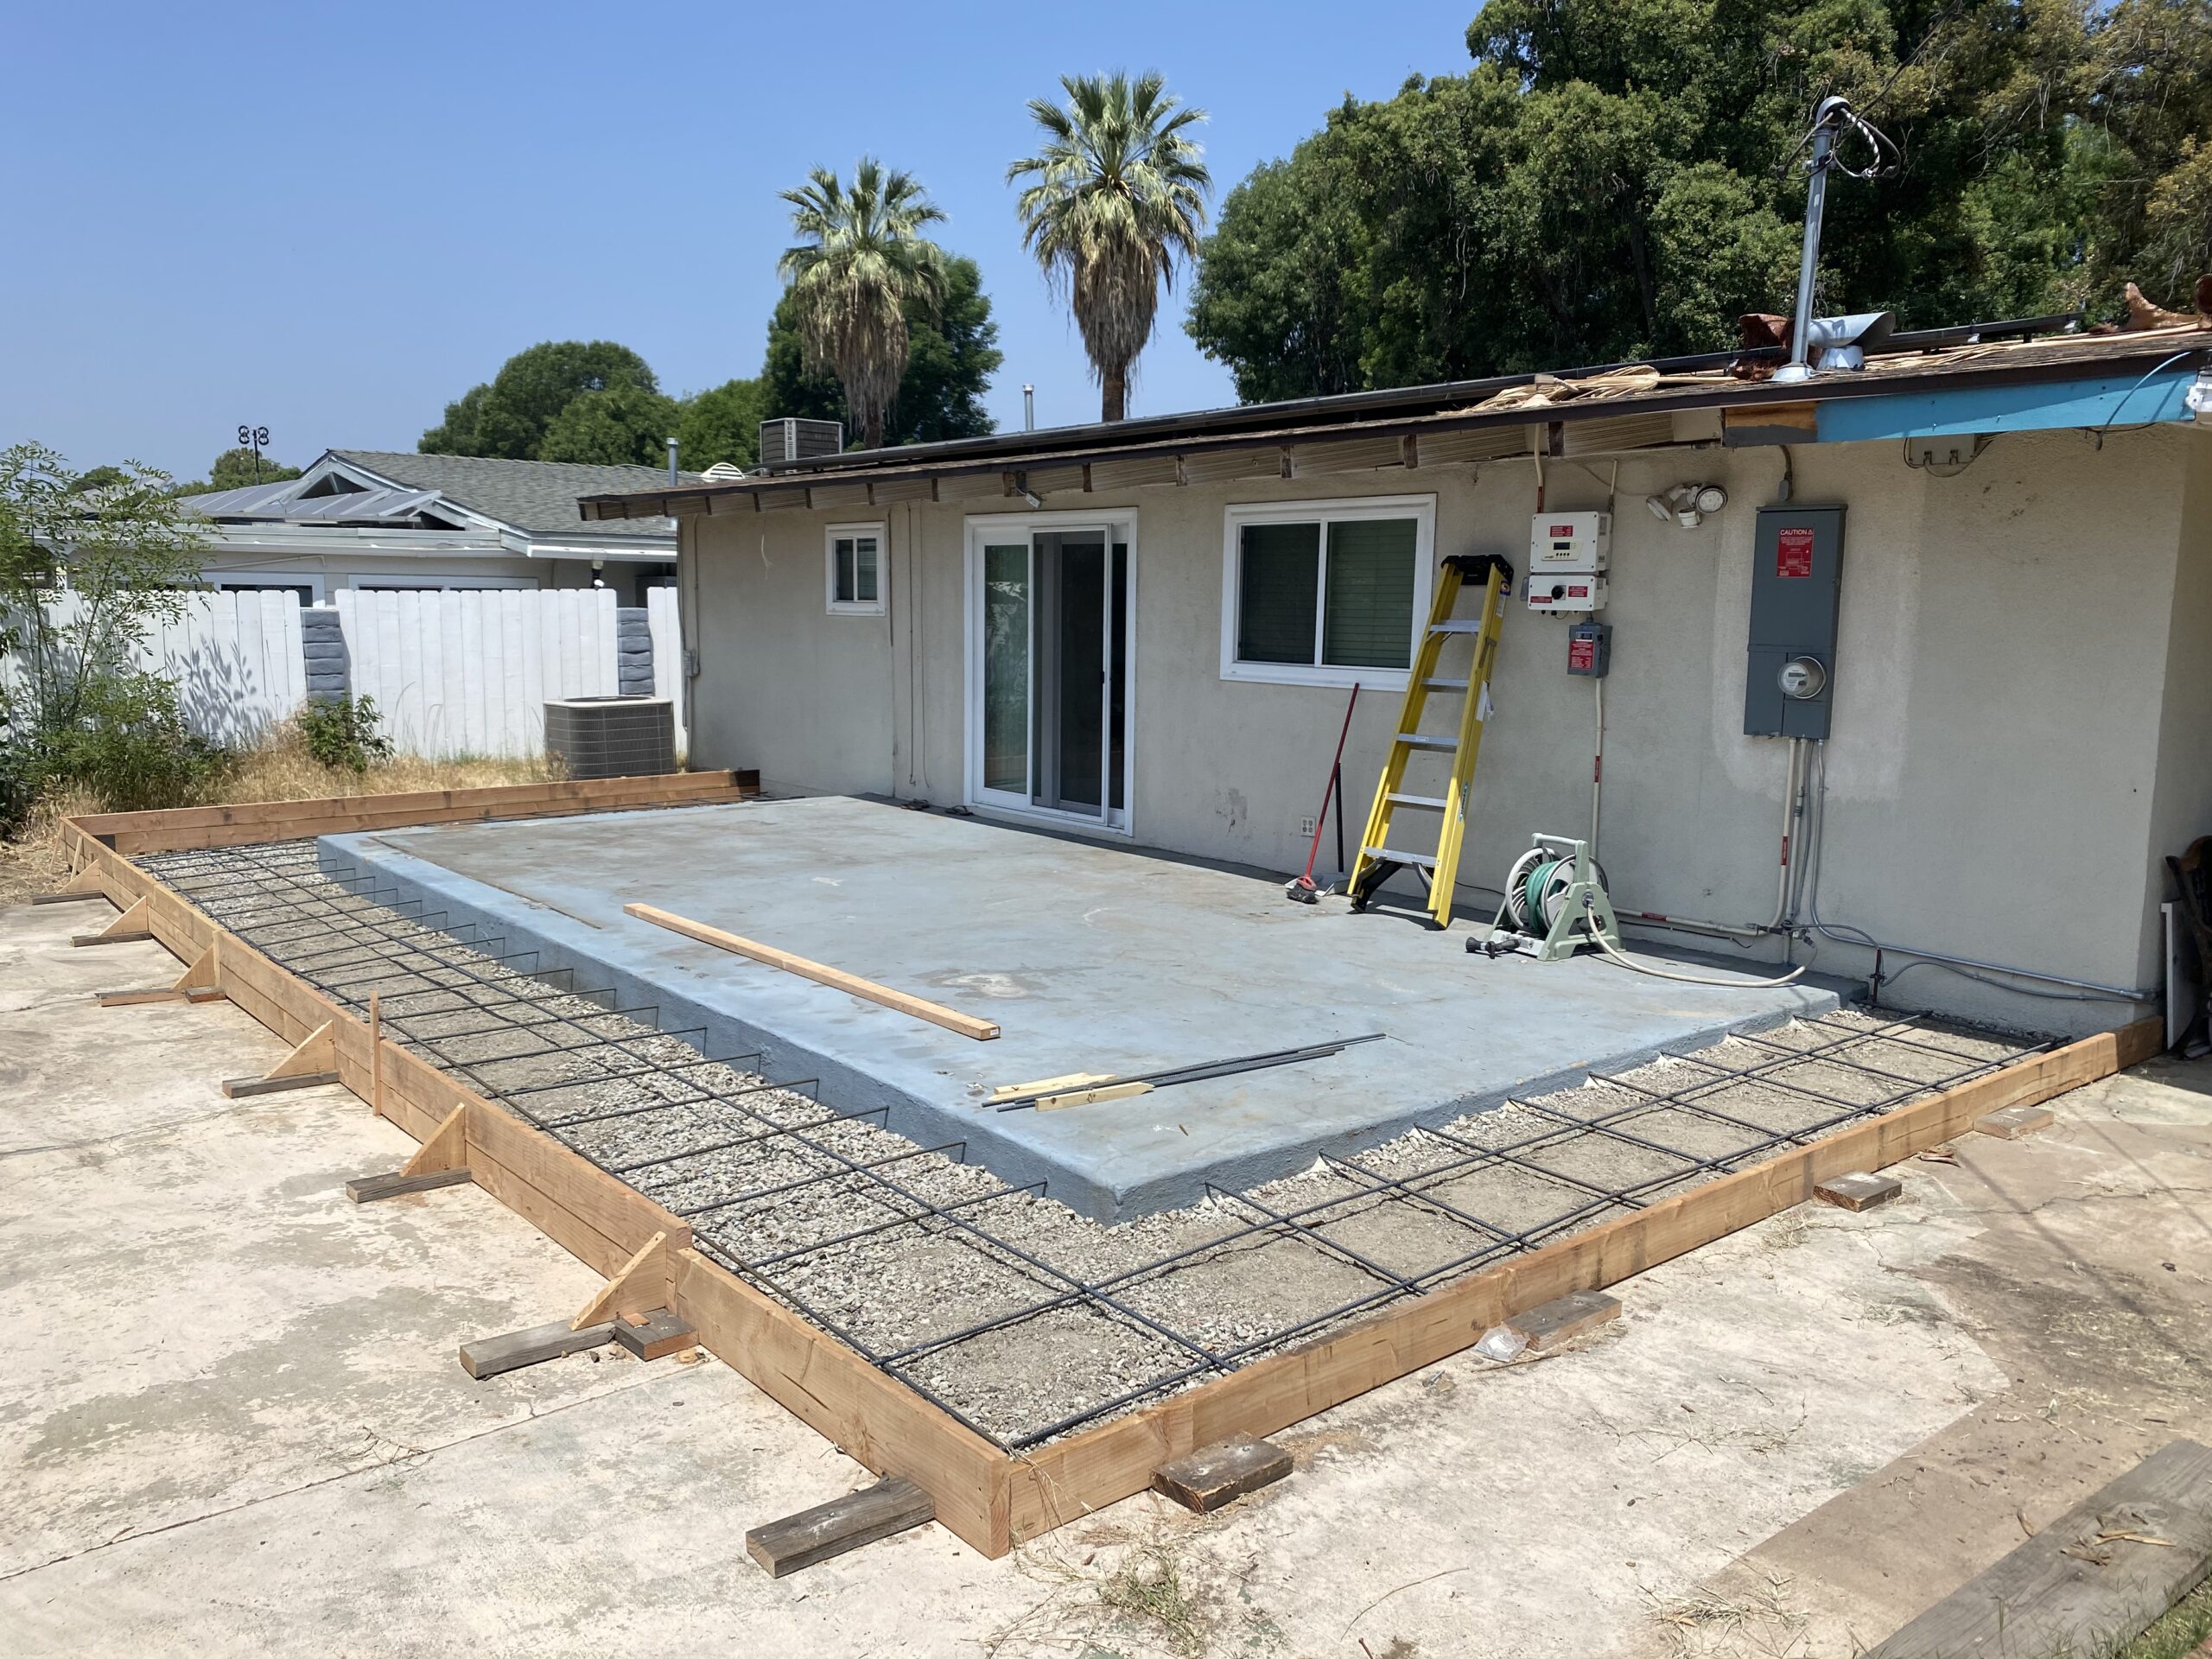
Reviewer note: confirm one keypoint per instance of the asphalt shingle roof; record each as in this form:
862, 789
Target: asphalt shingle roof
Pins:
537, 496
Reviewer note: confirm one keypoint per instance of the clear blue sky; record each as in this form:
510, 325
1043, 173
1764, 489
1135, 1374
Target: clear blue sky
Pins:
332, 220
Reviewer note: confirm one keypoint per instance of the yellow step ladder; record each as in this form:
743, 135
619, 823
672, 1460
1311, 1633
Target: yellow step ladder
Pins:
1378, 861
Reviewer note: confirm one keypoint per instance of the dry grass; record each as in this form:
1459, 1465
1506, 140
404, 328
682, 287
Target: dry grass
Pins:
279, 769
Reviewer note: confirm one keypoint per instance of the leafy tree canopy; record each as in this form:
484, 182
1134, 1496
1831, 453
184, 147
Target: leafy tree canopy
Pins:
622, 425
232, 470
723, 423
952, 355
1611, 180
511, 415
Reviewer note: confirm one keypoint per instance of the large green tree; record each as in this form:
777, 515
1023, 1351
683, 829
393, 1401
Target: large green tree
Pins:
953, 351
510, 415
622, 425
723, 423
235, 470
1613, 179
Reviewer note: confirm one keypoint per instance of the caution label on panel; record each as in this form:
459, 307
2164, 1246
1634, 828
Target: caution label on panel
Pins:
1793, 552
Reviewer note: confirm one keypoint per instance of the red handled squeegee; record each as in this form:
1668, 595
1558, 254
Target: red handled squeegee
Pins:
1303, 890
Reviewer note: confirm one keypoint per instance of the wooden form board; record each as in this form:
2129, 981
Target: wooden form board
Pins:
821, 973
989, 1498
192, 827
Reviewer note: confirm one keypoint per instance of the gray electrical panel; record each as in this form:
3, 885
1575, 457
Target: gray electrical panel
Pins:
1797, 578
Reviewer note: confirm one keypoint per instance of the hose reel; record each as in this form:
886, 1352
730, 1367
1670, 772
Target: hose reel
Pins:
1555, 902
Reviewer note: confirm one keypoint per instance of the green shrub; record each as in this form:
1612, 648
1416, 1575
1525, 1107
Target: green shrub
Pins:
344, 731
130, 746
19, 784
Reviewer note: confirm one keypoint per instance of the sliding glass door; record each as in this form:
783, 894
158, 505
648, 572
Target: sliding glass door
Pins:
1050, 669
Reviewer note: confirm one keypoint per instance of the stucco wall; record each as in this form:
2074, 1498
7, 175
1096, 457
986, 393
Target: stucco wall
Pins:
2008, 638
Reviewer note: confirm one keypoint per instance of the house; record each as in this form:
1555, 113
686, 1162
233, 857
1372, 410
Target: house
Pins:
1960, 795
367, 518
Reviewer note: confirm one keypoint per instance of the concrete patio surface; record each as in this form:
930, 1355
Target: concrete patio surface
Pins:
1090, 958
231, 1420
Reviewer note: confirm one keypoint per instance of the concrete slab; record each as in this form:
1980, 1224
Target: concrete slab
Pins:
1091, 958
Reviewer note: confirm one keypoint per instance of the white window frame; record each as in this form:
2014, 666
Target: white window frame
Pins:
837, 607
977, 530
1422, 509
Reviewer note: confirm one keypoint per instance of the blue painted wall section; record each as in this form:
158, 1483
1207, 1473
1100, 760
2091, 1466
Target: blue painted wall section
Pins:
2131, 400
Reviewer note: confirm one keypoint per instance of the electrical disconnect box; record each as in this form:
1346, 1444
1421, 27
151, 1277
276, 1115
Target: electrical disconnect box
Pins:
1796, 580
1568, 556
1590, 649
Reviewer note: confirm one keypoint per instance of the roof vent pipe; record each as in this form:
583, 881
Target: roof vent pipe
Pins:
1028, 408
671, 460
1833, 118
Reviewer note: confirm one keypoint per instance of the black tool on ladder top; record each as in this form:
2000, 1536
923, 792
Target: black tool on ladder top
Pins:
1303, 889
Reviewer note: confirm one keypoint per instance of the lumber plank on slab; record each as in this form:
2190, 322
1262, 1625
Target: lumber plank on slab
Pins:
2088, 1578
1858, 1188
133, 998
246, 1088
67, 898
2014, 1122
893, 1504
901, 1001
1564, 1317
490, 1356
1221, 1473
367, 1189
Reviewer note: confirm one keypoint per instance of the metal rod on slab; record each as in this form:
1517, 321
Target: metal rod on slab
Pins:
1175, 1074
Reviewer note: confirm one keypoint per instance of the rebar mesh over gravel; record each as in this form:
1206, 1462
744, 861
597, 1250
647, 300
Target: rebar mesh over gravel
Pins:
1010, 1311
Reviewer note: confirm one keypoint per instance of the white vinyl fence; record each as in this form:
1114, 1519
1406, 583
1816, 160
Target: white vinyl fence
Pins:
469, 672
663, 618
234, 659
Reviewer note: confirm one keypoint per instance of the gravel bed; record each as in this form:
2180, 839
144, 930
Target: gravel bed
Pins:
1006, 1307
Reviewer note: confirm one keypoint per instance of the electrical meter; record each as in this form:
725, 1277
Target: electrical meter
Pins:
1803, 678
1568, 556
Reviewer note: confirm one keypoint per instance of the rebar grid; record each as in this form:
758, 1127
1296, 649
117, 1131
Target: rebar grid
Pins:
746, 1159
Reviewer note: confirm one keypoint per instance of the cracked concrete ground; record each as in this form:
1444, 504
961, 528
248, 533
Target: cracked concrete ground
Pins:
231, 1420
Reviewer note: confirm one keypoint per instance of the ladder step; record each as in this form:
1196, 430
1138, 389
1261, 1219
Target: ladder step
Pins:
1416, 740
1457, 624
1434, 802
1444, 685
1393, 856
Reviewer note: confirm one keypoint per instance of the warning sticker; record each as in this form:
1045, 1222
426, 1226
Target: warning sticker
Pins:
1793, 553
1581, 652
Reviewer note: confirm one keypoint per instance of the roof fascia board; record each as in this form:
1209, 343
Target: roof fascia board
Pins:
2114, 400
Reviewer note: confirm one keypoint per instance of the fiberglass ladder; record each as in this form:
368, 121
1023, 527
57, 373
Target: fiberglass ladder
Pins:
1378, 861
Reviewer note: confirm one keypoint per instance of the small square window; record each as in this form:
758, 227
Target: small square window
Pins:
1325, 593
856, 569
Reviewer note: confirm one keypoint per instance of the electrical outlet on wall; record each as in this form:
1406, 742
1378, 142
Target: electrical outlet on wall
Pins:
1305, 826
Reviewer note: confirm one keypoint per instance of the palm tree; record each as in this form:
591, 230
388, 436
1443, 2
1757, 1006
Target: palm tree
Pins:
860, 257
1119, 192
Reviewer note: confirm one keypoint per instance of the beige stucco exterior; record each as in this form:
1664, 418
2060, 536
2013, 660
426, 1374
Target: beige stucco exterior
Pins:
2022, 719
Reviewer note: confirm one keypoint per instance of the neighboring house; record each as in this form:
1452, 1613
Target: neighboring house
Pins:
369, 519
1147, 631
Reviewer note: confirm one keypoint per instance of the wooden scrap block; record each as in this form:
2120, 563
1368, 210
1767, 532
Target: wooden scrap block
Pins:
655, 1335
489, 1356
367, 1189
242, 1088
2105, 1569
2014, 1121
1858, 1188
133, 998
893, 1504
1564, 1317
1220, 1473
133, 936
67, 898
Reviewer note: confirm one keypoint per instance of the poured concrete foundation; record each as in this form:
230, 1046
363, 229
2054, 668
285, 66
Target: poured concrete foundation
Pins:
1090, 958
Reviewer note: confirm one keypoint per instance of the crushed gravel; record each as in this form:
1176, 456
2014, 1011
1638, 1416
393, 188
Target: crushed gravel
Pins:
1008, 1308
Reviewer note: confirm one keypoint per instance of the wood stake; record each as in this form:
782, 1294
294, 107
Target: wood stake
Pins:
376, 1055
643, 1285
